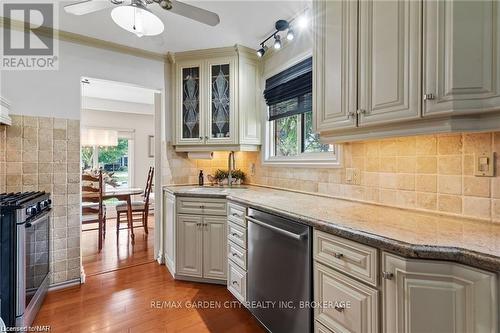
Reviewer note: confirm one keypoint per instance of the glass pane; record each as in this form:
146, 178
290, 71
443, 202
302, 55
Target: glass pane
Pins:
310, 140
87, 158
220, 101
191, 102
114, 160
286, 140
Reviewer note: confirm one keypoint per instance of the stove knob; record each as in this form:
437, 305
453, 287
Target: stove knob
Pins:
49, 201
32, 211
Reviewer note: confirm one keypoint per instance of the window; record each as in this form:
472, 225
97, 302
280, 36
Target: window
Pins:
290, 138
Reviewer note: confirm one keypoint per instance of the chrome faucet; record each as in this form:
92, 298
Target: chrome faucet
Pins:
230, 166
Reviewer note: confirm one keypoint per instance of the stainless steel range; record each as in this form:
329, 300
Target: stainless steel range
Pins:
24, 255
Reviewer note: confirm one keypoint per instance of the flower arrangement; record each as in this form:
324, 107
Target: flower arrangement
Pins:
221, 176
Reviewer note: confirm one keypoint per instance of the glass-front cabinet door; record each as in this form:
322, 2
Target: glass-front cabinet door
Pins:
220, 122
190, 127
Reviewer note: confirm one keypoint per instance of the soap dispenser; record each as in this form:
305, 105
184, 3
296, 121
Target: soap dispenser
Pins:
200, 178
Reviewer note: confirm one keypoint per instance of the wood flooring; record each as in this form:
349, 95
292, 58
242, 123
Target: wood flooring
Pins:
121, 301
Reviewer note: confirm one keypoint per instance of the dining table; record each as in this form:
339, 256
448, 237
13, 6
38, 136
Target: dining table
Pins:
121, 194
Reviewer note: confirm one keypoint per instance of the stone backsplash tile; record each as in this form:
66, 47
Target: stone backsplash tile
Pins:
42, 153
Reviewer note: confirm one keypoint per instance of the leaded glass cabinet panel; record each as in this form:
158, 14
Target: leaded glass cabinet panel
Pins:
191, 112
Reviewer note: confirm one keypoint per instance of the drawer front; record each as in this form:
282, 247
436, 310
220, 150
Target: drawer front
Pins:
351, 258
201, 206
237, 234
319, 328
237, 255
237, 281
236, 214
348, 305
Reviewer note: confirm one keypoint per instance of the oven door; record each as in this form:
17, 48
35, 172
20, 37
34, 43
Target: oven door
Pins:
33, 265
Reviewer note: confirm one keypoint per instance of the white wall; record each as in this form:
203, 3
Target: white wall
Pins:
57, 93
143, 126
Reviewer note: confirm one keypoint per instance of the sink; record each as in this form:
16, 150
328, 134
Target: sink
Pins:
215, 189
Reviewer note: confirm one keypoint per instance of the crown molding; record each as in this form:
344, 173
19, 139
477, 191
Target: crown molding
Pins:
88, 41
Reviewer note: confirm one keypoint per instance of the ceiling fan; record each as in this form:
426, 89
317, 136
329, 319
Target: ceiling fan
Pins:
134, 16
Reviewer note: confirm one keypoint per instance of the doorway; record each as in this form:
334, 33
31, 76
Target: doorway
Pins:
118, 121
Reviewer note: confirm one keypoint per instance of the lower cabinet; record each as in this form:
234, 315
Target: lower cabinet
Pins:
436, 296
237, 251
201, 246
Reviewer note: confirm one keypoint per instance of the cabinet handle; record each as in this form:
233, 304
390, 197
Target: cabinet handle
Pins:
351, 114
236, 283
201, 138
339, 308
202, 206
235, 235
361, 111
236, 215
336, 255
387, 275
236, 255
206, 137
429, 97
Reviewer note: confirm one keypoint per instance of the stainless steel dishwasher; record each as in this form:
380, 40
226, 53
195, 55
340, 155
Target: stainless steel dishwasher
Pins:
279, 272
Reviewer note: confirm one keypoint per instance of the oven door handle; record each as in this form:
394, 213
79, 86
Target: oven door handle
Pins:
38, 219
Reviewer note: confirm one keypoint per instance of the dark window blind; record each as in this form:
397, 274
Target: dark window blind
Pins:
289, 92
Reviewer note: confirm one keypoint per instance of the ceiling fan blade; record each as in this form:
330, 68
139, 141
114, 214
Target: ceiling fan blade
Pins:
87, 6
195, 13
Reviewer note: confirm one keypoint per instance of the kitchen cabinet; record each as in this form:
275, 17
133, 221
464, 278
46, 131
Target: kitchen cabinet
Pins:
196, 238
216, 99
435, 296
169, 231
237, 251
395, 68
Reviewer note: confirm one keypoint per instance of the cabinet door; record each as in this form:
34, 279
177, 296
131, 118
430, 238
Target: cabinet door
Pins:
189, 245
220, 122
214, 247
169, 231
390, 61
437, 297
335, 37
189, 107
461, 56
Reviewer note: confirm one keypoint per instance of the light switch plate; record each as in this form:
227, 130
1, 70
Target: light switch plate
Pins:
352, 176
484, 165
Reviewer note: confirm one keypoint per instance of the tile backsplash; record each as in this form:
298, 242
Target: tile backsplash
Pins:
434, 173
40, 153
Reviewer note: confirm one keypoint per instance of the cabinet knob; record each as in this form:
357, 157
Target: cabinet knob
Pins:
387, 275
206, 137
351, 114
428, 97
338, 255
201, 138
361, 111
339, 308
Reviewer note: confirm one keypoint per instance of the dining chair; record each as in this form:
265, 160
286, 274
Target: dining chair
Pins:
138, 207
93, 209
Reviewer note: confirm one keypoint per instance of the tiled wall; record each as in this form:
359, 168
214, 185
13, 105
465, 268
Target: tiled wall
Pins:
43, 154
433, 173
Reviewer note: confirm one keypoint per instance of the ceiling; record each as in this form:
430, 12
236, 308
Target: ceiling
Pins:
242, 22
117, 97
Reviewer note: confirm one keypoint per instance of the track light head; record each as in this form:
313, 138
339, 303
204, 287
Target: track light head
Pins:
290, 35
262, 51
277, 42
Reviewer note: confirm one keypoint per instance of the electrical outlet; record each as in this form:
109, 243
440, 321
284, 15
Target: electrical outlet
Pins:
252, 169
484, 165
352, 176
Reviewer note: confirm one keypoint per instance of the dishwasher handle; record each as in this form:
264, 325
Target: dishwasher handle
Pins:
279, 230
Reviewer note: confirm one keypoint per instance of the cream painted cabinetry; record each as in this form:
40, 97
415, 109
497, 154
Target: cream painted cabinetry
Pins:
200, 239
237, 251
434, 297
393, 68
169, 216
216, 99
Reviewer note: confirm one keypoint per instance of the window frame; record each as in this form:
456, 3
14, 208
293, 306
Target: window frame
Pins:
311, 160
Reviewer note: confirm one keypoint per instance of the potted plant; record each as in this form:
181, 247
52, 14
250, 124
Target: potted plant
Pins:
221, 176
239, 176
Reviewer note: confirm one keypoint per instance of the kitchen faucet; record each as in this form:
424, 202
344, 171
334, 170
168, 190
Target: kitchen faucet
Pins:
230, 166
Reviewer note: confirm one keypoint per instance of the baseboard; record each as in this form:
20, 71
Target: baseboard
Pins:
197, 279
65, 284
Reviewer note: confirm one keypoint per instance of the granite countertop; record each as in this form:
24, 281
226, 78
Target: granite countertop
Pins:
409, 233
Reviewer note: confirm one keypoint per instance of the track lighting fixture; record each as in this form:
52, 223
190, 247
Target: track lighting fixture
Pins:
277, 42
280, 26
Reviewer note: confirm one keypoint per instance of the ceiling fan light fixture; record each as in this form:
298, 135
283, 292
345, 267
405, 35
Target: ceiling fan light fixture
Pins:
136, 18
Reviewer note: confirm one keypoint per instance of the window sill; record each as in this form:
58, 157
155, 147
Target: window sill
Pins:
303, 162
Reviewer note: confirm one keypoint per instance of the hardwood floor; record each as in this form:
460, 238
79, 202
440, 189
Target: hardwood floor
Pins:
117, 252
121, 301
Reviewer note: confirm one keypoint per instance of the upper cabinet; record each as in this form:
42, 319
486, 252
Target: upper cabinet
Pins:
392, 68
216, 104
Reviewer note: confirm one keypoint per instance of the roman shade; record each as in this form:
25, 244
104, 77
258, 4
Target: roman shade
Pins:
289, 92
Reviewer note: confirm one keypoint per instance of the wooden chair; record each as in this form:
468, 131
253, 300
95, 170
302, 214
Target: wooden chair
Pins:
93, 209
141, 207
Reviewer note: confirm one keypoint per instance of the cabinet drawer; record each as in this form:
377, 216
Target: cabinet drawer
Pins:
348, 305
351, 258
237, 281
236, 214
319, 328
237, 255
201, 206
237, 234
